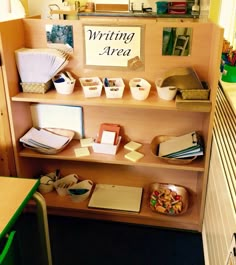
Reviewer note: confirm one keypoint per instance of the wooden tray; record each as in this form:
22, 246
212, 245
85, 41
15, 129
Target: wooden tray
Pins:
53, 151
178, 161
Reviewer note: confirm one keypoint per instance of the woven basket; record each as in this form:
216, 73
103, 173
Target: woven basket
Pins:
195, 93
36, 87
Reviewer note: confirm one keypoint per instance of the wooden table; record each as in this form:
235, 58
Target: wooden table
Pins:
14, 195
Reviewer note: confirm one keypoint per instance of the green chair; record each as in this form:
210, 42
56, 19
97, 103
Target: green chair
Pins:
10, 254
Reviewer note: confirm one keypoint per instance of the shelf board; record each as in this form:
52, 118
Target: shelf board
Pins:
129, 14
149, 160
64, 206
77, 99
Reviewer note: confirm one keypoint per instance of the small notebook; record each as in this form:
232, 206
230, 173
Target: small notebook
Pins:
116, 197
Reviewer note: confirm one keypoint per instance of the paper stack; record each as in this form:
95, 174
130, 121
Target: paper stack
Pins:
187, 145
39, 65
44, 140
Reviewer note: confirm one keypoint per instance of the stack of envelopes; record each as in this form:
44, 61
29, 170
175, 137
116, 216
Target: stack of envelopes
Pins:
187, 145
40, 65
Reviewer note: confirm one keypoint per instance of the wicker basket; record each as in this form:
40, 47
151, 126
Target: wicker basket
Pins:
195, 93
36, 87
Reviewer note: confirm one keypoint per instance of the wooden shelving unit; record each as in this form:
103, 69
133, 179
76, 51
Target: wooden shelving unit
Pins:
140, 120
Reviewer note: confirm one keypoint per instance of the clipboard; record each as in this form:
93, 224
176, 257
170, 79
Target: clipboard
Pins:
181, 145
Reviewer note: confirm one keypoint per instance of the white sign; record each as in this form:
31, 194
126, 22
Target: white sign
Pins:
112, 45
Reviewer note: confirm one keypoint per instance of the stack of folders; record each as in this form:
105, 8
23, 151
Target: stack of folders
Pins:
40, 65
183, 146
43, 139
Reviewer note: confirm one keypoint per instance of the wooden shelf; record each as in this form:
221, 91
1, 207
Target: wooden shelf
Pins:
140, 121
58, 205
149, 160
77, 99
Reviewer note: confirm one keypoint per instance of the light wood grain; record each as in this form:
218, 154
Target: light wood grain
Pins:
7, 164
13, 192
140, 120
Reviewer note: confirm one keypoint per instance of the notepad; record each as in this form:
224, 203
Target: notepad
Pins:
82, 151
85, 142
116, 197
134, 156
132, 146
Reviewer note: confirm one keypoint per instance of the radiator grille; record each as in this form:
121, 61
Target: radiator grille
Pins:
220, 210
225, 136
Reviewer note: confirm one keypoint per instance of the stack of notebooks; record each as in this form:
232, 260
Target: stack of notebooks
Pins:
39, 65
183, 146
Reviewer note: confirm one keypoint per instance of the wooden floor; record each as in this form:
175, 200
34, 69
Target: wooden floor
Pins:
88, 242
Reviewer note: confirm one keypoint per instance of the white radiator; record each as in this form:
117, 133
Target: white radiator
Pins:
220, 212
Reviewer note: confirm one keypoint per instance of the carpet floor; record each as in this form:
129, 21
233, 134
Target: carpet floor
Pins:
76, 241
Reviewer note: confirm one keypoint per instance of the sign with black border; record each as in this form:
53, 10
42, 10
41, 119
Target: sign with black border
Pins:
114, 46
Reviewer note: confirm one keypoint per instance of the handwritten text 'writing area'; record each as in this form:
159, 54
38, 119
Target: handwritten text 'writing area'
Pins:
112, 45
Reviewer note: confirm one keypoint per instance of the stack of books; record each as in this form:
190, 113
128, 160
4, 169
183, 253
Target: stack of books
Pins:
187, 145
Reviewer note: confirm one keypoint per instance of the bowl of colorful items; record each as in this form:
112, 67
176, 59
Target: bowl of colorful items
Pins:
168, 199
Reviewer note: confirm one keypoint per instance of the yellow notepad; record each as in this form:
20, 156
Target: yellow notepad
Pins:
132, 146
85, 142
134, 156
82, 151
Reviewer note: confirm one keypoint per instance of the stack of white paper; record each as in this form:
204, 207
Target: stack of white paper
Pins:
39, 65
44, 139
